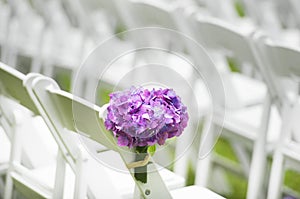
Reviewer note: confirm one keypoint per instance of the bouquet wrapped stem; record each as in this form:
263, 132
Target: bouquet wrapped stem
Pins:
140, 173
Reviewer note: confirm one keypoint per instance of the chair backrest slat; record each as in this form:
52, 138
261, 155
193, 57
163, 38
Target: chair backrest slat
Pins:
81, 117
151, 14
285, 61
216, 34
12, 83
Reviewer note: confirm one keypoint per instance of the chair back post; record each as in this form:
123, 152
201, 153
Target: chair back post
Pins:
59, 175
15, 154
62, 154
41, 98
256, 41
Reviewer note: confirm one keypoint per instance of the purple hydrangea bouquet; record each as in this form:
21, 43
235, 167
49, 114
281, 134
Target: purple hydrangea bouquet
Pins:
140, 118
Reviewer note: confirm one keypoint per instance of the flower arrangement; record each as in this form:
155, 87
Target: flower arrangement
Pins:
140, 118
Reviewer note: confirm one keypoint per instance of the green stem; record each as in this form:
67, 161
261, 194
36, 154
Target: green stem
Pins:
140, 173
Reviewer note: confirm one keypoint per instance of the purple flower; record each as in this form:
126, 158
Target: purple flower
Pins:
139, 117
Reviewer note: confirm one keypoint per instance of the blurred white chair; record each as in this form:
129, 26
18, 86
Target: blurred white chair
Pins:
4, 27
24, 36
282, 67
222, 9
79, 116
63, 46
143, 14
231, 11
89, 13
285, 13
295, 4
248, 108
275, 18
223, 40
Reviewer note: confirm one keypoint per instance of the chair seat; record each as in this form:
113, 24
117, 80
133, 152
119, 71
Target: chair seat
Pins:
194, 192
45, 177
289, 37
242, 91
292, 150
37, 142
246, 122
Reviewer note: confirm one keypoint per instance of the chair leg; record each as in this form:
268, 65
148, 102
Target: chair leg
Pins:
8, 187
203, 171
277, 170
15, 156
204, 163
81, 185
2, 186
276, 176
259, 156
257, 173
181, 164
59, 176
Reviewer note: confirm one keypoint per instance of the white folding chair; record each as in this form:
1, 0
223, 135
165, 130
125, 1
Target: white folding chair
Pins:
79, 116
222, 9
295, 4
31, 146
88, 13
62, 46
248, 108
277, 18
4, 27
224, 40
47, 102
24, 36
281, 65
142, 14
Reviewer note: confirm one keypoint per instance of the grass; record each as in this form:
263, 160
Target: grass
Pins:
224, 149
63, 78
103, 95
190, 175
119, 29
23, 63
239, 8
233, 65
238, 184
292, 180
